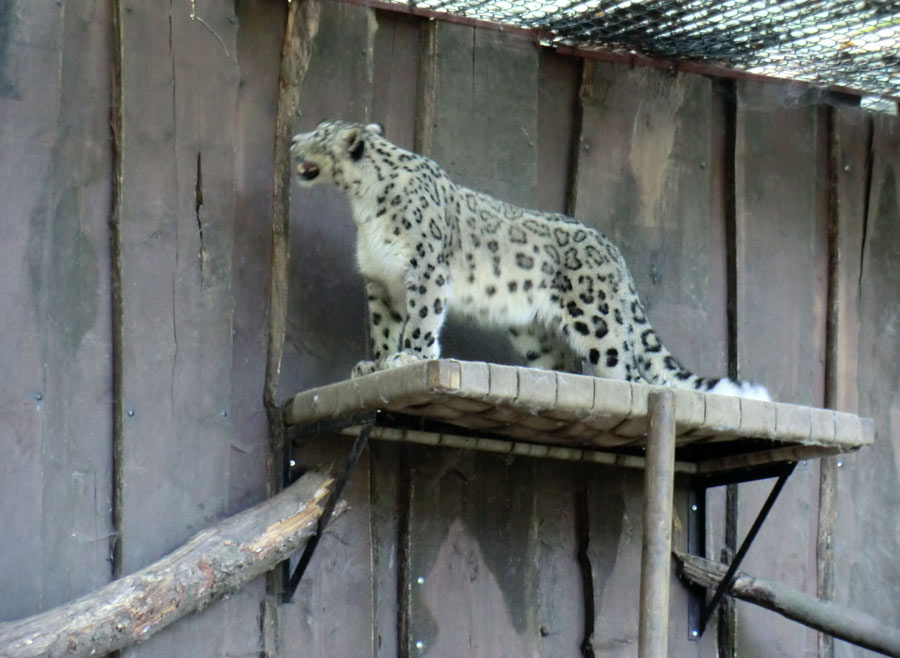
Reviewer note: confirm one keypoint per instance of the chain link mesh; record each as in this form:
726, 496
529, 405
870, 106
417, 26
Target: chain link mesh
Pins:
845, 43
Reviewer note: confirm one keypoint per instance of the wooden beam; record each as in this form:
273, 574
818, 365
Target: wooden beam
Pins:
659, 484
836, 620
215, 562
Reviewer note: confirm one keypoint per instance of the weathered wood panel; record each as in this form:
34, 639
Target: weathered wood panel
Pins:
326, 336
55, 420
480, 126
179, 96
258, 62
850, 130
326, 339
647, 170
781, 245
474, 550
867, 572
473, 555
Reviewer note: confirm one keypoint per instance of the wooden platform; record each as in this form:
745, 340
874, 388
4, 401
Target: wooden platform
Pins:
567, 416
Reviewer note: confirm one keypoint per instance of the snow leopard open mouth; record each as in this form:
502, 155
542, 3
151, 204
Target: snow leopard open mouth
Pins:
307, 170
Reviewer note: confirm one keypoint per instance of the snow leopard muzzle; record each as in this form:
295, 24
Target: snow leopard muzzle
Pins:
307, 170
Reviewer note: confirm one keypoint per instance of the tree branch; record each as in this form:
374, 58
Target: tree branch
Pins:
836, 620
215, 562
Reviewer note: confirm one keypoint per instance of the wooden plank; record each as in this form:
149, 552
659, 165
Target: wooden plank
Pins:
483, 132
326, 339
473, 525
179, 89
258, 57
396, 62
258, 60
55, 163
558, 84
473, 543
850, 131
646, 167
781, 252
648, 175
866, 572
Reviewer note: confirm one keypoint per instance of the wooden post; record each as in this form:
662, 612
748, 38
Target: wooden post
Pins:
659, 482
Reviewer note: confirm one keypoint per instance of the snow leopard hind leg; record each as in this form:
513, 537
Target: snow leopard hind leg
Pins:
544, 348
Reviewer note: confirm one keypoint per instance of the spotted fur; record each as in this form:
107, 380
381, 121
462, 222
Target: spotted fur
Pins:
427, 246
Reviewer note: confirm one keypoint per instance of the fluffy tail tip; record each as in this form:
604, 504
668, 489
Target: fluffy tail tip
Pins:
741, 389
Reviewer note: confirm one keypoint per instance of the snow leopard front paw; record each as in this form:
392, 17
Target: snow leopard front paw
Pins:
363, 368
399, 359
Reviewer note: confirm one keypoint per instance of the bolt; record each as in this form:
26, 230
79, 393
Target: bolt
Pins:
420, 580
694, 634
420, 645
38, 397
840, 464
224, 414
693, 508
131, 412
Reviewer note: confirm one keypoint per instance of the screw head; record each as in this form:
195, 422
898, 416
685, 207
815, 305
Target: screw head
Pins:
39, 397
693, 508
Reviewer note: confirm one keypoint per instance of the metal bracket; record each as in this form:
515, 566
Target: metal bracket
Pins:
355, 452
699, 610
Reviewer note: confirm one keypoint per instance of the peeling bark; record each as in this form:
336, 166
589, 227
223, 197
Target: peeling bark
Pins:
215, 562
836, 620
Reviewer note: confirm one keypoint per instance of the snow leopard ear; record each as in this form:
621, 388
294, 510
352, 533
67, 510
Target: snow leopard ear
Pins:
353, 141
376, 128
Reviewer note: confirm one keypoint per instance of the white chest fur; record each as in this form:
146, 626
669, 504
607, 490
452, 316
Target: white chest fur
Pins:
382, 256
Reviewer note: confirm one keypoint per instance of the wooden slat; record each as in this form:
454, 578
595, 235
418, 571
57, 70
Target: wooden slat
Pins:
780, 210
480, 120
484, 134
868, 492
55, 421
324, 339
647, 175
179, 87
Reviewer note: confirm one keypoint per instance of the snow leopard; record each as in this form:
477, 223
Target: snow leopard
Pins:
427, 246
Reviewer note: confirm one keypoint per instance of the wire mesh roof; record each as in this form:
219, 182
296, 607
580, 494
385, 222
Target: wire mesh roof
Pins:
845, 43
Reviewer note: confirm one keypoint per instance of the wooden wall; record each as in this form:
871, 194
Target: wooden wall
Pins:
761, 227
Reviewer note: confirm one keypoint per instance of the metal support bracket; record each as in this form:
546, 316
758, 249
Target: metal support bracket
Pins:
699, 610
352, 458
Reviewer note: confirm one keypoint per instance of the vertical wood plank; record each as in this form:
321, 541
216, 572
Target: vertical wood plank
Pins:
333, 610
179, 89
258, 61
849, 131
646, 170
473, 530
326, 339
482, 130
473, 561
866, 568
258, 58
55, 420
561, 601
649, 175
781, 243
396, 73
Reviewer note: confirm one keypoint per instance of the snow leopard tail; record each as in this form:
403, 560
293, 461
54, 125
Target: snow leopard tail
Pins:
658, 366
